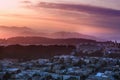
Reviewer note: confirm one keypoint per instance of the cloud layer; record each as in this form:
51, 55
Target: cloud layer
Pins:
81, 14
80, 8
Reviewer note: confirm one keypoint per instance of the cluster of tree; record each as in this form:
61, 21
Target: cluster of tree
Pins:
34, 51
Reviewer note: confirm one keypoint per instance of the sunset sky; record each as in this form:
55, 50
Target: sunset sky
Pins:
100, 18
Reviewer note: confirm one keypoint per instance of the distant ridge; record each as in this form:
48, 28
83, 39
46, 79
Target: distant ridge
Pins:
69, 35
65, 35
7, 32
43, 41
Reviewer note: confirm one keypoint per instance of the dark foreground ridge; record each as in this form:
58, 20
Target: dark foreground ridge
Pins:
33, 51
39, 51
43, 41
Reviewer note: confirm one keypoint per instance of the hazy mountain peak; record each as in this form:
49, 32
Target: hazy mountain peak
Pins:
66, 35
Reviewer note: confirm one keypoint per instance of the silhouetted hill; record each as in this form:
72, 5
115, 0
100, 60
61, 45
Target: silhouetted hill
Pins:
65, 35
43, 41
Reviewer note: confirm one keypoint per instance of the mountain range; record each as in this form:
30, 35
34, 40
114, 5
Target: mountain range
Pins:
8, 32
25, 35
66, 35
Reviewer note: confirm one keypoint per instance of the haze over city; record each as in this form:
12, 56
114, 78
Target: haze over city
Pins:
99, 18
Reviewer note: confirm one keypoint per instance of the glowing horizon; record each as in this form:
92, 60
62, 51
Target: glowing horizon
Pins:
92, 17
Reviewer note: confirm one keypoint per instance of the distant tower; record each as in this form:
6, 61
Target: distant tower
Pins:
106, 52
77, 48
73, 52
116, 44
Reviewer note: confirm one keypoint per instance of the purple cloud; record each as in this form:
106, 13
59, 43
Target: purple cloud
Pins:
26, 2
79, 8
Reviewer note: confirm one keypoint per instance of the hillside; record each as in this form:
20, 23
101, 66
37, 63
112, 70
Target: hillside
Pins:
43, 41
